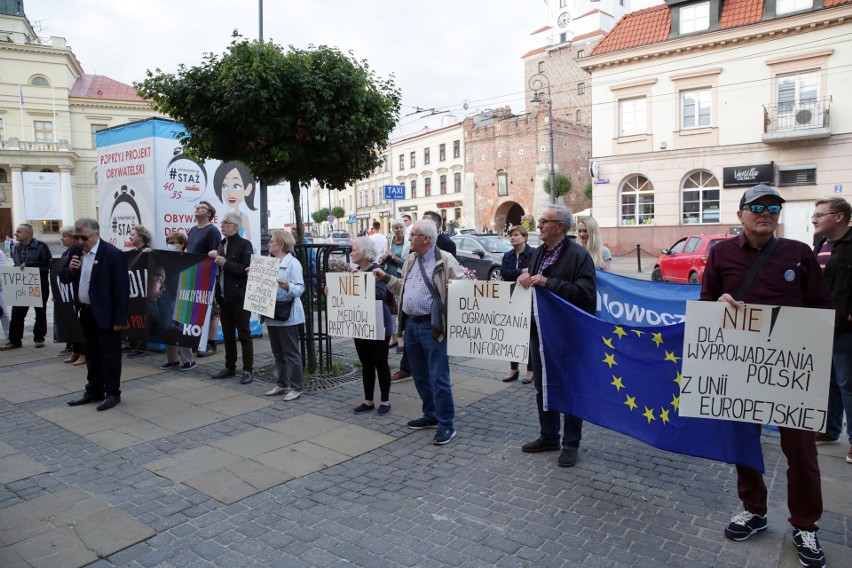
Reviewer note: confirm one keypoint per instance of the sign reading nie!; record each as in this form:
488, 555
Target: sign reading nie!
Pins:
739, 176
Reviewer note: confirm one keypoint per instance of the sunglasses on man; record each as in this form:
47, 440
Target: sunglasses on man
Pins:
757, 209
83, 238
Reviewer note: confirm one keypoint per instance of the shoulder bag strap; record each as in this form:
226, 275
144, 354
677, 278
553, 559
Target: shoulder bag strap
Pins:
429, 285
764, 256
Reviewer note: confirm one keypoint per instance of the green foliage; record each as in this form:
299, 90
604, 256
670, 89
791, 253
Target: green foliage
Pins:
528, 222
338, 212
587, 191
563, 184
298, 114
335, 369
320, 215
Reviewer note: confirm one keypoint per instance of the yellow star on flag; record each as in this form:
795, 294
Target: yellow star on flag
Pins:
619, 331
616, 381
675, 401
608, 342
638, 332
670, 356
657, 338
610, 360
631, 402
664, 415
649, 414
677, 378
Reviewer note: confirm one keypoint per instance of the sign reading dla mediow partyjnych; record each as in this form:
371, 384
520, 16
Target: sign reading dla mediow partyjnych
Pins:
761, 364
353, 310
488, 320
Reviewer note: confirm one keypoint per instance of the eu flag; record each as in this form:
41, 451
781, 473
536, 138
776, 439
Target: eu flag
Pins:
627, 379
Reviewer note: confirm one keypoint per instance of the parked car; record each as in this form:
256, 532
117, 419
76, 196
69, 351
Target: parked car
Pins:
685, 260
481, 253
339, 238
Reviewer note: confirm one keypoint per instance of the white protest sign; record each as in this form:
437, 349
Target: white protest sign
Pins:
352, 306
760, 364
21, 287
485, 319
262, 286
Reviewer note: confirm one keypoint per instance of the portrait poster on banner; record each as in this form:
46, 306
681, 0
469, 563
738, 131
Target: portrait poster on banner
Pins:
353, 310
262, 286
761, 364
66, 325
489, 320
21, 287
179, 297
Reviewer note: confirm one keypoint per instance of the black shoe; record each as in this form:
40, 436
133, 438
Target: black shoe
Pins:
568, 458
807, 545
539, 445
109, 402
513, 377
422, 423
224, 374
85, 399
165, 366
745, 524
246, 378
362, 408
443, 436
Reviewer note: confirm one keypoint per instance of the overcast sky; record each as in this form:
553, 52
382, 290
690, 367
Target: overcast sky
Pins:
441, 52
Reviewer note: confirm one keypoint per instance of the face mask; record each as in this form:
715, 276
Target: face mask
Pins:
172, 247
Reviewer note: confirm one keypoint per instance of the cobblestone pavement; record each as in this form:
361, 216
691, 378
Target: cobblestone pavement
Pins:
72, 496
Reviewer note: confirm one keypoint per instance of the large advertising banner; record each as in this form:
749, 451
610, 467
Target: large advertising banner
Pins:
761, 364
143, 178
137, 307
489, 320
41, 195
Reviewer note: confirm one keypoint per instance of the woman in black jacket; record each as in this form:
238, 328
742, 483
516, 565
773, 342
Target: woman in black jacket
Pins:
514, 261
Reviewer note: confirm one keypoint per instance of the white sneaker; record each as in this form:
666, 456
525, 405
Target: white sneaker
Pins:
292, 395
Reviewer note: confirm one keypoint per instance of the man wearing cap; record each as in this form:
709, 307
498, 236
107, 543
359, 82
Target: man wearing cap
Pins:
789, 276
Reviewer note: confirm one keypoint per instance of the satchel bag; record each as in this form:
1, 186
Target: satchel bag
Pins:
283, 309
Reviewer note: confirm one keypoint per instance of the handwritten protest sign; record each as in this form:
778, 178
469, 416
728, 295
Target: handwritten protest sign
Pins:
485, 319
262, 285
760, 364
352, 306
21, 287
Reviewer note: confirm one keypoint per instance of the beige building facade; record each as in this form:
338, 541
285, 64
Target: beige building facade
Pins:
49, 113
684, 122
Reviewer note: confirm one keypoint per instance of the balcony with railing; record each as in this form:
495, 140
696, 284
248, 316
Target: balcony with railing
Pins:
31, 146
792, 121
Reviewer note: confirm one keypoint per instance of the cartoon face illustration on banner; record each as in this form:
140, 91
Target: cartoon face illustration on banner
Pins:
234, 184
124, 214
186, 179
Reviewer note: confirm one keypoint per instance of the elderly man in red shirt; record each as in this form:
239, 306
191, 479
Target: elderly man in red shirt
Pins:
788, 276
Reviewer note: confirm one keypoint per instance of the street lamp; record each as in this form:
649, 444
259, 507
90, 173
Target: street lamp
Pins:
537, 82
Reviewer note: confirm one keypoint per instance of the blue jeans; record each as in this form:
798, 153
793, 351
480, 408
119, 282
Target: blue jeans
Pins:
549, 420
840, 388
430, 367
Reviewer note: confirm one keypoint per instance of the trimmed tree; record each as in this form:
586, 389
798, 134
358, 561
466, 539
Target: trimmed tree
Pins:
562, 182
295, 114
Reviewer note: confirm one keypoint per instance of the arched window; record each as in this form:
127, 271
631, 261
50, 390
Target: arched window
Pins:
579, 116
39, 81
637, 201
700, 198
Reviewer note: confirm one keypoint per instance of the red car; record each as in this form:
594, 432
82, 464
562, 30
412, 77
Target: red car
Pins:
685, 260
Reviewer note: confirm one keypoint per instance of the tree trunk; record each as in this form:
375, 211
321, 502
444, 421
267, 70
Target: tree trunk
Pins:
310, 346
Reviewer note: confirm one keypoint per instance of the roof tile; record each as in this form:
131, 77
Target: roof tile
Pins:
104, 88
637, 28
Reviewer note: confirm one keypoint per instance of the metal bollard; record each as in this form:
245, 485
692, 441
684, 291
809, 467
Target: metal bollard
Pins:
638, 258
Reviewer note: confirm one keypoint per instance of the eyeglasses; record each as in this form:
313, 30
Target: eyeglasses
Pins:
817, 216
228, 223
203, 208
546, 221
83, 238
758, 209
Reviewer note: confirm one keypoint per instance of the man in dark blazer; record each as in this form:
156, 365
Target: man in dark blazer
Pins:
98, 272
566, 269
233, 257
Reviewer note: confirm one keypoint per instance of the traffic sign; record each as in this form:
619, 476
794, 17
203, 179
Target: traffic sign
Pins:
330, 219
352, 220
394, 192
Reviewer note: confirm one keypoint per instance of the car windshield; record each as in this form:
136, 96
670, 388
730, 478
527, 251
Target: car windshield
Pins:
495, 244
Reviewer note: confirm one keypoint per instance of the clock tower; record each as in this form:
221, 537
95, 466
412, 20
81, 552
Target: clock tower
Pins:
578, 18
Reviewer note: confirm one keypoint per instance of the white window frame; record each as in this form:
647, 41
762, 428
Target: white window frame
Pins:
694, 18
709, 192
633, 116
701, 103
790, 6
635, 193
803, 88
43, 131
